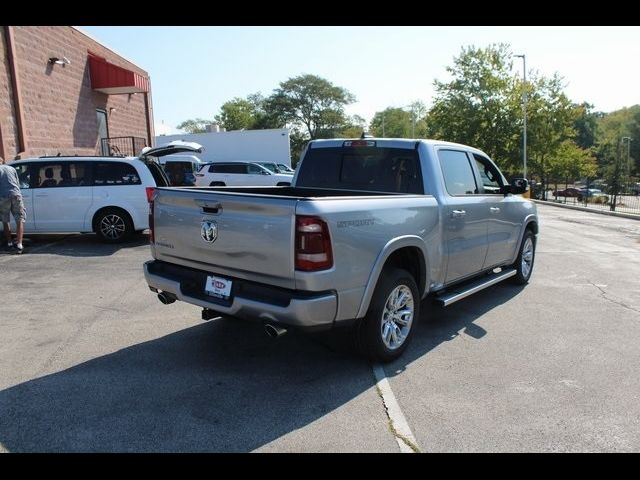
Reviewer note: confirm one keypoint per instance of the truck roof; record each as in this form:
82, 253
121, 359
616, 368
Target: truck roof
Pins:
390, 143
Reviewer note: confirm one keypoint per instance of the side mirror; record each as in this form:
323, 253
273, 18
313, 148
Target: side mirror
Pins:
518, 186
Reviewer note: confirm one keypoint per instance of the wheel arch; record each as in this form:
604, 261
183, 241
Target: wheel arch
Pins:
101, 210
407, 252
530, 223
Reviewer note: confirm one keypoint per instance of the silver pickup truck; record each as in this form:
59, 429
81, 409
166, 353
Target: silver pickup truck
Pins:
365, 232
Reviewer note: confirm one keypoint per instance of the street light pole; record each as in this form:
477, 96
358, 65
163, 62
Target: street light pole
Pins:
524, 99
628, 139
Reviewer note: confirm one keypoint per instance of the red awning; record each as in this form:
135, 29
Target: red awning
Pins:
112, 79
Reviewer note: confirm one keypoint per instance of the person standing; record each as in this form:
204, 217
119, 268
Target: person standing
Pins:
11, 203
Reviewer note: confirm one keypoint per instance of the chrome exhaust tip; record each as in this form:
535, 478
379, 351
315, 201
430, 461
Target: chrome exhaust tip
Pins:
166, 298
274, 331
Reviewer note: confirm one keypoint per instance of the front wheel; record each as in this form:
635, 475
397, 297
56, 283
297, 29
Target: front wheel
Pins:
387, 328
526, 256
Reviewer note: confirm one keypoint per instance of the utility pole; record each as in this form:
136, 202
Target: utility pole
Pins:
524, 107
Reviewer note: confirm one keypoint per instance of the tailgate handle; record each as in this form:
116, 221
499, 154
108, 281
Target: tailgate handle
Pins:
209, 207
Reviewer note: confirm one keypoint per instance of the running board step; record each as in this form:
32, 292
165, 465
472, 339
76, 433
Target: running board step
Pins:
464, 290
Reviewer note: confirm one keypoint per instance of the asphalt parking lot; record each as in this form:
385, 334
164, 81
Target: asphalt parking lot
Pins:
90, 360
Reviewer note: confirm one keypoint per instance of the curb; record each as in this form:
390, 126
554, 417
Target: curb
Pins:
590, 210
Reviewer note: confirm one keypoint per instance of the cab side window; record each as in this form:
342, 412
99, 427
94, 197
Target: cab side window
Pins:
489, 175
458, 174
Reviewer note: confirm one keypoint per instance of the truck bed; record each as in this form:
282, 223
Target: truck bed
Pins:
299, 193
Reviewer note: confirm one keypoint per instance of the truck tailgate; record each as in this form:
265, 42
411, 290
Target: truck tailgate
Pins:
253, 233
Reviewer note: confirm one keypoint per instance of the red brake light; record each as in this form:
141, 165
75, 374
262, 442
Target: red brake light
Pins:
313, 244
150, 193
359, 143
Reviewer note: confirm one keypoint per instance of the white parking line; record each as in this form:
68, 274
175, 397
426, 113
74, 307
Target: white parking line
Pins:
399, 426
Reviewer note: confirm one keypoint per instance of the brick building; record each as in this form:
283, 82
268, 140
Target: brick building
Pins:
63, 92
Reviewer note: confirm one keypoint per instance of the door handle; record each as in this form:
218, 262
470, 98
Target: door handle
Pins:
494, 209
41, 195
458, 213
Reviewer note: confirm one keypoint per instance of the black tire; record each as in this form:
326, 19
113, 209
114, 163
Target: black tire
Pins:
523, 275
113, 225
370, 330
217, 184
283, 184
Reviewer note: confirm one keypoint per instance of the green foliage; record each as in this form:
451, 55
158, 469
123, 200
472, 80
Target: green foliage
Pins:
247, 113
585, 125
237, 114
399, 123
611, 128
551, 117
194, 125
480, 105
354, 127
312, 104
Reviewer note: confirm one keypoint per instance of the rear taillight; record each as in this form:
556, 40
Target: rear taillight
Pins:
150, 193
313, 244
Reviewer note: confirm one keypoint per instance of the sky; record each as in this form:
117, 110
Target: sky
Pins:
194, 70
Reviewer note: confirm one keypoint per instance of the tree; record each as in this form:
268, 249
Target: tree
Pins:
551, 117
237, 114
585, 125
571, 162
247, 113
354, 127
480, 106
194, 125
611, 128
394, 122
310, 103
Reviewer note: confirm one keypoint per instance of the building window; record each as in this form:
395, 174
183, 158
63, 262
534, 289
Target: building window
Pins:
103, 130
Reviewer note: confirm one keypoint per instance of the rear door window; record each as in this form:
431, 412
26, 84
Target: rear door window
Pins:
228, 168
62, 174
374, 169
116, 174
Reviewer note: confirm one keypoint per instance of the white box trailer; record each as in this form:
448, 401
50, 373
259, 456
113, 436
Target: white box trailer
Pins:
269, 145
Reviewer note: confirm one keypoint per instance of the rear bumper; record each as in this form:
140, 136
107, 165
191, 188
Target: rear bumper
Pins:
250, 301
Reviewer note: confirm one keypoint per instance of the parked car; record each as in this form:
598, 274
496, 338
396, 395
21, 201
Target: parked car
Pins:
567, 192
105, 195
221, 174
286, 168
181, 169
273, 167
367, 230
597, 195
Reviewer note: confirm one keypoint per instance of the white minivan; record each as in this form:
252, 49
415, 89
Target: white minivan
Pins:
106, 195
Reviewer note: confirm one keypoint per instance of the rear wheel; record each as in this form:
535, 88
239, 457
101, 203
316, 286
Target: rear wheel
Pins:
217, 184
526, 256
387, 328
113, 225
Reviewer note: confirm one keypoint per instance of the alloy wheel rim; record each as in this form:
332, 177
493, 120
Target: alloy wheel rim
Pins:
112, 226
527, 257
397, 317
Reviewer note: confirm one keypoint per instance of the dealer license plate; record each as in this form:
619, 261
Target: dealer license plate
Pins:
218, 287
